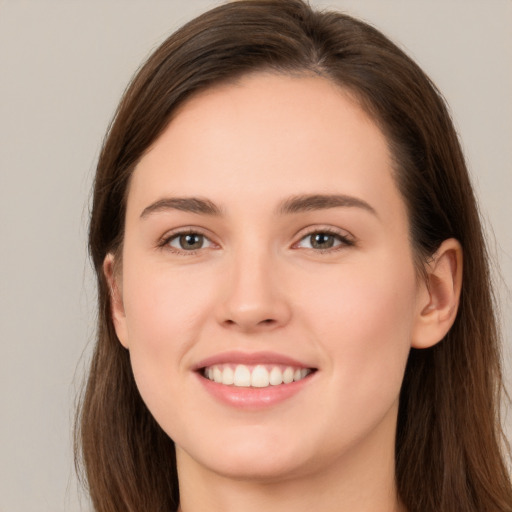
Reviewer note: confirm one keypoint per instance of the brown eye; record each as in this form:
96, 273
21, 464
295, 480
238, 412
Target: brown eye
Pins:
189, 242
323, 241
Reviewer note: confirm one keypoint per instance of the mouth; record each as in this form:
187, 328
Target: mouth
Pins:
253, 381
254, 375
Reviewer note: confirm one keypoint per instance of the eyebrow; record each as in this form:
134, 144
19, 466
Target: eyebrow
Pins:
185, 204
305, 203
294, 204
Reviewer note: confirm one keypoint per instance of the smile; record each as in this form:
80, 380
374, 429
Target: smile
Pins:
255, 376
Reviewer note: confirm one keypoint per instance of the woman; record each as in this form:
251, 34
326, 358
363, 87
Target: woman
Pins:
295, 308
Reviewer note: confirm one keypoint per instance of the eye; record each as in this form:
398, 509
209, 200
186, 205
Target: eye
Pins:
188, 242
324, 241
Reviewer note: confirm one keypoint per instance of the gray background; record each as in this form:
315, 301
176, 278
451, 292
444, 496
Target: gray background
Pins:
63, 67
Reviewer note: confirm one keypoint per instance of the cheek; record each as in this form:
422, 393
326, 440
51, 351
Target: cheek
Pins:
363, 297
164, 314
364, 322
163, 307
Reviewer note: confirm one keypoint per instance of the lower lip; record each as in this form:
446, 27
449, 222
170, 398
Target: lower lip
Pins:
253, 398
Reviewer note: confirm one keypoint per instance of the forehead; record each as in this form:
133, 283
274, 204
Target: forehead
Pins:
267, 135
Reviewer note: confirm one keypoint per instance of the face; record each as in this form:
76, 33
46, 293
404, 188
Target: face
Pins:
267, 294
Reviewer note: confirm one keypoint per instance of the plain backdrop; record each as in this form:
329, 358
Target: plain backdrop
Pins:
63, 67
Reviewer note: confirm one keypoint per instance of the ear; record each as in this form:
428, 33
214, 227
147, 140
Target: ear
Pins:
439, 296
116, 299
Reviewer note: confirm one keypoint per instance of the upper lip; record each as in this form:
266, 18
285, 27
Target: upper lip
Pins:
250, 358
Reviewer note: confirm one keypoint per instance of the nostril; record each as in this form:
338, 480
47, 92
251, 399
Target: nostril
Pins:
245, 324
261, 323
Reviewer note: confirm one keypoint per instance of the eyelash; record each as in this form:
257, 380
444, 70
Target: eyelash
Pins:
166, 240
343, 239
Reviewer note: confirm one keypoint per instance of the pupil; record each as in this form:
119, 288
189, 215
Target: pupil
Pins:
191, 241
322, 241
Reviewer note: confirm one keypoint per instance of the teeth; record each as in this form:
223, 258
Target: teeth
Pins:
258, 376
228, 376
288, 375
276, 376
217, 374
242, 376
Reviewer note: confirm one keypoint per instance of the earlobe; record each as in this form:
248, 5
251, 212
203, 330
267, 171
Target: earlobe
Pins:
439, 298
116, 300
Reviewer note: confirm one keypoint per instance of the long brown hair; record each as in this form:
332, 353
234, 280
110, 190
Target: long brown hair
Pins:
449, 443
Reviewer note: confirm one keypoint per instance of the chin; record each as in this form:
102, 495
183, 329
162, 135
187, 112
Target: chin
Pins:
254, 458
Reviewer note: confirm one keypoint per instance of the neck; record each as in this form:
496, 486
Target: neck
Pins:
298, 495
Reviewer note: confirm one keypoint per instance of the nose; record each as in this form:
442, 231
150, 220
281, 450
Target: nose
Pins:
253, 297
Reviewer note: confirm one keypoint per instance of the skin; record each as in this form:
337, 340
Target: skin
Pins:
352, 311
